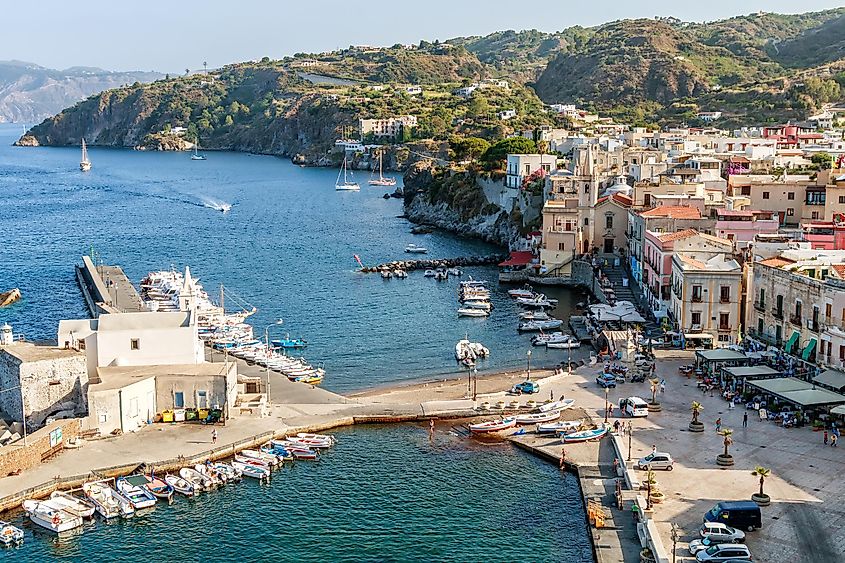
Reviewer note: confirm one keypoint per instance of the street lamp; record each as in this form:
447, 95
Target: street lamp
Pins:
630, 433
528, 355
649, 477
267, 344
606, 404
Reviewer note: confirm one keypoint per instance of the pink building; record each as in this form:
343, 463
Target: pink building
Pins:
741, 226
824, 235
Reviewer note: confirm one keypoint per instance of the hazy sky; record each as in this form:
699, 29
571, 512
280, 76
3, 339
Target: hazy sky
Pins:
172, 35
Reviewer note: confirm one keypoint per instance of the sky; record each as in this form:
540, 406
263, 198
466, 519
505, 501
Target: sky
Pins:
170, 36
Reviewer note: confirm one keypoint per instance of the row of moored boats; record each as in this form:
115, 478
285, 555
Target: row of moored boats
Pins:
474, 299
123, 497
536, 318
547, 422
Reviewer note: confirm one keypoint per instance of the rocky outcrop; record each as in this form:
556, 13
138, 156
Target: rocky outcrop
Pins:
496, 228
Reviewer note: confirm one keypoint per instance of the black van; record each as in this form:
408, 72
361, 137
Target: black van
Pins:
742, 514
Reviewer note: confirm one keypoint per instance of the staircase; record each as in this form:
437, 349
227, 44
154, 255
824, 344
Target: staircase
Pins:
631, 293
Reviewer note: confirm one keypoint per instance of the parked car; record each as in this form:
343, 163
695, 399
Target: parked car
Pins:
633, 406
697, 545
526, 388
721, 532
606, 380
743, 514
723, 552
657, 460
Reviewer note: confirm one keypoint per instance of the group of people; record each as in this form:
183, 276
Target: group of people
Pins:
833, 438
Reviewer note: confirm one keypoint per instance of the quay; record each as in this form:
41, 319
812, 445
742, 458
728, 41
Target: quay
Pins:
431, 264
106, 289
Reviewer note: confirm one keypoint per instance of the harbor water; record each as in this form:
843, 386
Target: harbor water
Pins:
286, 246
381, 494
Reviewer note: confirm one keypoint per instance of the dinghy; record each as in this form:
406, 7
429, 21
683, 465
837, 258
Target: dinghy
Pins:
312, 443
585, 435
493, 425
180, 485
324, 437
569, 343
197, 480
230, 472
561, 405
159, 488
69, 503
132, 487
469, 312
277, 451
212, 473
564, 427
297, 451
10, 535
252, 461
251, 470
537, 417
50, 516
109, 502
270, 459
526, 292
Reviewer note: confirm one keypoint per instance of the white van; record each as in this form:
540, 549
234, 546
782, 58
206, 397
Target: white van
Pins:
633, 406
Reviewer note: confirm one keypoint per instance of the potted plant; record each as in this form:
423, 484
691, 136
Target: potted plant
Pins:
696, 425
655, 496
646, 556
726, 458
654, 406
761, 498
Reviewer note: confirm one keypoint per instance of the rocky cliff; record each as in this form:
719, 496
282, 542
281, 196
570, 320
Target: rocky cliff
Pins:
455, 201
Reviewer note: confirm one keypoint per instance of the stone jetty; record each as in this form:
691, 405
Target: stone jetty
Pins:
432, 264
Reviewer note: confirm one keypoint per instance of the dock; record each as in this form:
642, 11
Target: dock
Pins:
579, 328
107, 289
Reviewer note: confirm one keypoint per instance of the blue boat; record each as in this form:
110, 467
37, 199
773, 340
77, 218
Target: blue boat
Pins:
585, 435
289, 343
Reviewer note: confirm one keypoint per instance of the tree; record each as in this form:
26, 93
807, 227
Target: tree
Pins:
822, 159
762, 473
469, 147
499, 151
478, 106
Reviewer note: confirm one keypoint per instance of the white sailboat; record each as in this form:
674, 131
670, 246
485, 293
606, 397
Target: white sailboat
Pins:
197, 155
346, 185
84, 164
381, 180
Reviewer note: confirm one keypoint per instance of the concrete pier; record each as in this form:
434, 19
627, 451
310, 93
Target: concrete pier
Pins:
107, 289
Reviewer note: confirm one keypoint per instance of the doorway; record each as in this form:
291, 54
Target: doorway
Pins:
608, 245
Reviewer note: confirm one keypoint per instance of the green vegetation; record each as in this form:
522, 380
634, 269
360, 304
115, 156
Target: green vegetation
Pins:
497, 154
822, 160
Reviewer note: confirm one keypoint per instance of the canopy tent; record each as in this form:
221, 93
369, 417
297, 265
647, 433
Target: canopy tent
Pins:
805, 355
832, 378
721, 355
798, 392
620, 341
698, 336
747, 372
623, 311
838, 410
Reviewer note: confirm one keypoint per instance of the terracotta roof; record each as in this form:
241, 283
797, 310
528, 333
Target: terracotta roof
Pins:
621, 199
777, 262
673, 212
519, 258
677, 235
839, 269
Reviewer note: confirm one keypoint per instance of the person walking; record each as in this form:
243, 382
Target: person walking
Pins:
745, 420
833, 440
719, 424
616, 426
630, 428
662, 385
653, 449
825, 437
214, 436
551, 396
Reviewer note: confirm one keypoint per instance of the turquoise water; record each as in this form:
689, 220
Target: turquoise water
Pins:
286, 246
381, 494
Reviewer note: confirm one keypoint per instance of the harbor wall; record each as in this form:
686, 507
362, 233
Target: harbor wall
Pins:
19, 457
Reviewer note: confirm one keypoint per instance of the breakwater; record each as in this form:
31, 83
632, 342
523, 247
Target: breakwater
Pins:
431, 264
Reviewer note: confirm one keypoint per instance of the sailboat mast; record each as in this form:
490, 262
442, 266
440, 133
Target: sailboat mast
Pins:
380, 157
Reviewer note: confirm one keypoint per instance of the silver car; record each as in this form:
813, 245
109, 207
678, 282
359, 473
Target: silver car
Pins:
721, 532
657, 460
723, 552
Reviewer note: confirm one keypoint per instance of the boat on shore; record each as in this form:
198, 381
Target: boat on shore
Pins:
9, 534
69, 503
565, 427
585, 435
493, 425
49, 515
108, 501
132, 487
560, 405
537, 417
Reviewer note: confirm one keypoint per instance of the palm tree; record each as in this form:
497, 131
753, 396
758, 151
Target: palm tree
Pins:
762, 473
696, 409
727, 433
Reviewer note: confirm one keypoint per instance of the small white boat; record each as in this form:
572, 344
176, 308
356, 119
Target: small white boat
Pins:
564, 344
565, 427
197, 480
493, 425
482, 305
429, 273
108, 501
544, 337
269, 459
49, 515
347, 184
400, 274
441, 275
137, 494
525, 292
538, 301
212, 473
251, 471
528, 326
561, 405
535, 316
179, 485
324, 437
197, 155
454, 272
10, 535
537, 417
386, 274
414, 249
468, 312
69, 503
230, 472
585, 435
252, 461
318, 443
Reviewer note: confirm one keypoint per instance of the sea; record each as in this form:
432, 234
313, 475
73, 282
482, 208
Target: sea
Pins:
286, 245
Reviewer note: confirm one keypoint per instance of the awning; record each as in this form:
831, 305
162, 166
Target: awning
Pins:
838, 410
519, 258
805, 355
799, 392
698, 336
791, 342
831, 378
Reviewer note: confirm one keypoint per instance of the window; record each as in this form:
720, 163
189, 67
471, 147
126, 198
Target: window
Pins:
790, 211
178, 400
790, 195
103, 418
134, 344
842, 352
608, 222
586, 188
133, 406
724, 321
202, 399
696, 293
696, 319
586, 221
842, 199
815, 215
828, 311
765, 195
561, 246
725, 294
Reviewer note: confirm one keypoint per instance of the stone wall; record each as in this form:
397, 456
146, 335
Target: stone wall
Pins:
19, 457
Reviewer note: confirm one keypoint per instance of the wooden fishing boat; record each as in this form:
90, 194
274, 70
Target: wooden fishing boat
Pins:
560, 427
180, 485
537, 417
493, 425
252, 461
132, 487
310, 442
69, 503
108, 501
270, 459
585, 435
159, 488
561, 405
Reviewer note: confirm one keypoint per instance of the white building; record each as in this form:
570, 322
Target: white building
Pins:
466, 91
391, 127
507, 114
520, 166
709, 116
413, 90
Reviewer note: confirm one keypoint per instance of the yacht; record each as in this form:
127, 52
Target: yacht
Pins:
84, 163
381, 180
347, 184
197, 155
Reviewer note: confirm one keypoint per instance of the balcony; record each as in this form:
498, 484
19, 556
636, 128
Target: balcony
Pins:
696, 299
795, 319
777, 313
760, 306
724, 299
